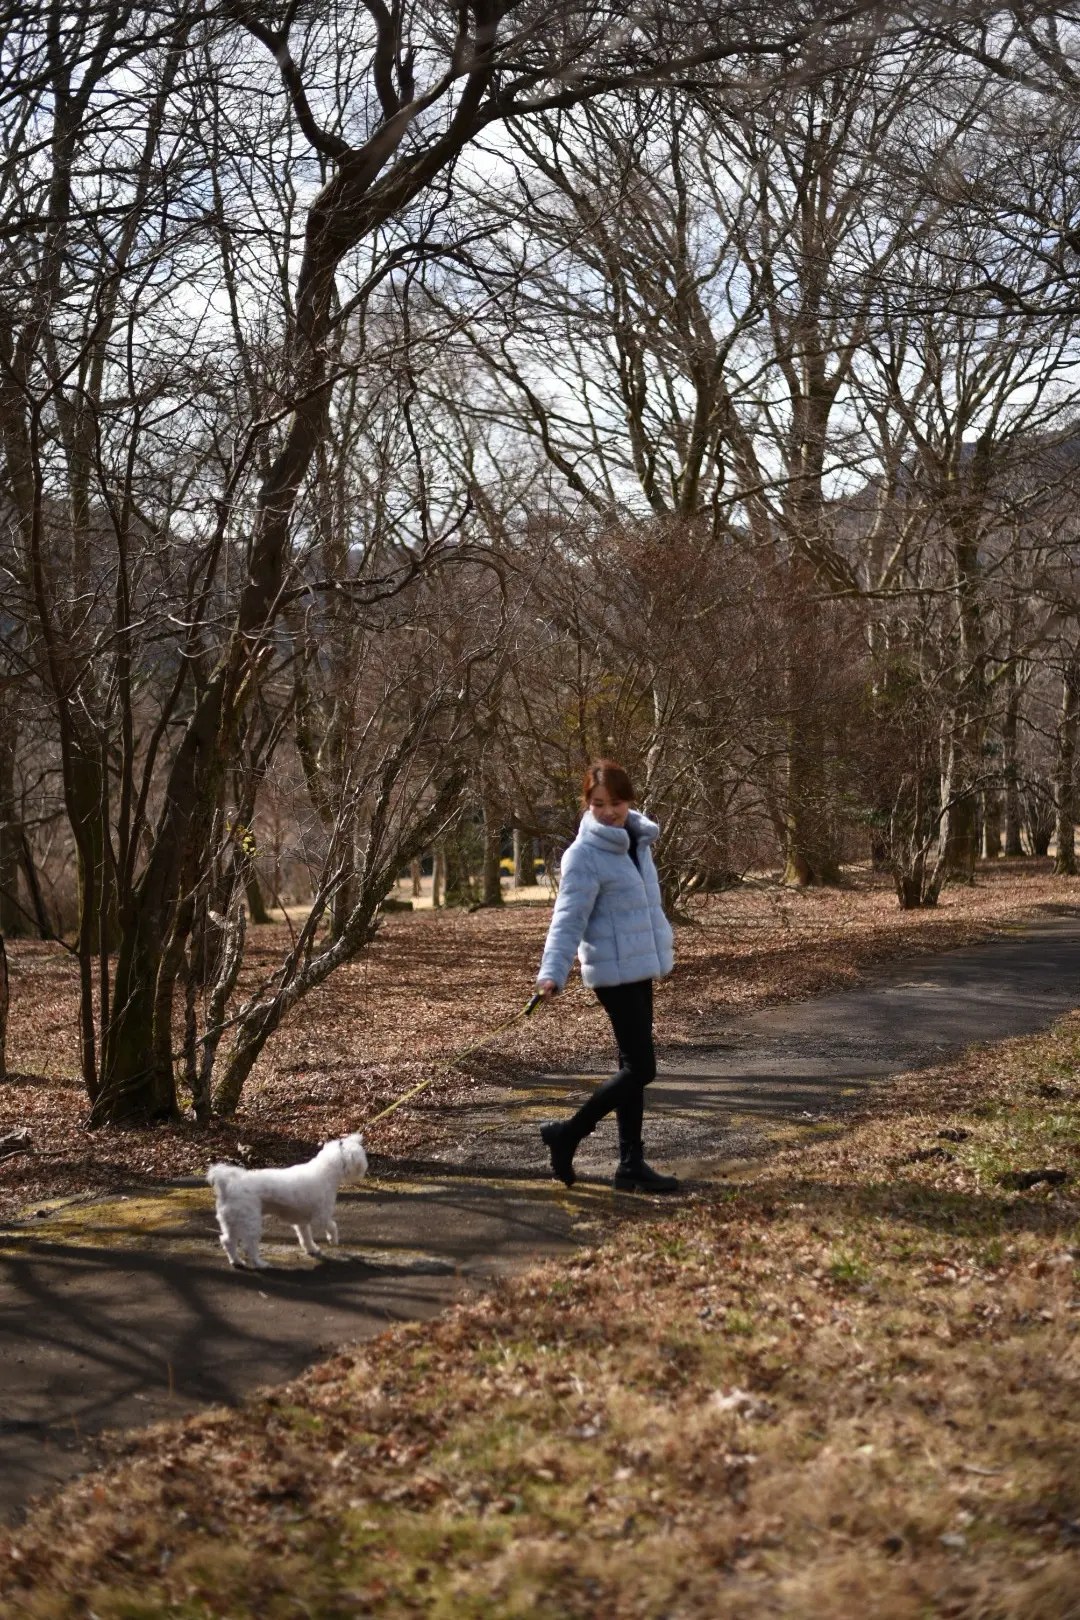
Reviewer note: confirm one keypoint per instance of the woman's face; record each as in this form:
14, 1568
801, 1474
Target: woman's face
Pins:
612, 812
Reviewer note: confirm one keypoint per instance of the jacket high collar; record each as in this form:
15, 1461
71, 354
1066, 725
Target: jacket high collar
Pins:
616, 839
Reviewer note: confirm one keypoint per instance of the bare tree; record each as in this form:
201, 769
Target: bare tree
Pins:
408, 94
699, 278
160, 474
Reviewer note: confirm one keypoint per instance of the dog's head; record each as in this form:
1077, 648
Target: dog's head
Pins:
353, 1156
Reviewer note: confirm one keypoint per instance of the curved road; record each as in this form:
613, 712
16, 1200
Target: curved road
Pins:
118, 1313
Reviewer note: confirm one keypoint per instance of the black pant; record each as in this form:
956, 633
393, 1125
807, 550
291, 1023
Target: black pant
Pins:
630, 1008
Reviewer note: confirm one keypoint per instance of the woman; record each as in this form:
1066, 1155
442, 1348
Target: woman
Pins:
609, 911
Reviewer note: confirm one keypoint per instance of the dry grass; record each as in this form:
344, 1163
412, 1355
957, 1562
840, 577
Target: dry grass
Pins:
431, 984
845, 1386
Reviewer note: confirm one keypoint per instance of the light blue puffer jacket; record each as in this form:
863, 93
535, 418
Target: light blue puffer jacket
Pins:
607, 910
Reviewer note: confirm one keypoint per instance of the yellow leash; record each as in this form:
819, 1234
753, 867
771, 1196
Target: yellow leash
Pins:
444, 1068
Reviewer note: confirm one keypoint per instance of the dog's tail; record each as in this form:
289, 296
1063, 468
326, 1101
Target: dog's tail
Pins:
220, 1175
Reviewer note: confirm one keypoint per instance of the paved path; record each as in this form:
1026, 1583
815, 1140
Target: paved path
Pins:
758, 1074
116, 1313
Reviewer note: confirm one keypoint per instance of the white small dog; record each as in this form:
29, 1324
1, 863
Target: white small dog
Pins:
304, 1195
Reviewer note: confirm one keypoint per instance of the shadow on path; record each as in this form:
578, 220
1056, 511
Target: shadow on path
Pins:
105, 1330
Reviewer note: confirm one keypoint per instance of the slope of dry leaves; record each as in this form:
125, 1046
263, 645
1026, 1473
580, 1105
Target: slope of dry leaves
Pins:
432, 983
848, 1385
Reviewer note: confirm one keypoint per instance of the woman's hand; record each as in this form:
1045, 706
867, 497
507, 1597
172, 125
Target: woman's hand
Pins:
547, 988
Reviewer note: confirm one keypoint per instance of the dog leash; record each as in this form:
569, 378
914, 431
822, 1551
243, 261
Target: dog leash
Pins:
444, 1068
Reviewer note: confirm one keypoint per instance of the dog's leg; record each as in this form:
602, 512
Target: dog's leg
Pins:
307, 1240
332, 1231
251, 1240
230, 1249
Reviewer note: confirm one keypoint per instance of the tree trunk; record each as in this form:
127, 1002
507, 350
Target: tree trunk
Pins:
524, 863
3, 1009
1013, 813
232, 956
1040, 819
1064, 775
991, 824
463, 852
342, 904
959, 846
938, 870
33, 884
14, 920
911, 837
135, 1086
256, 903
810, 855
910, 888
83, 794
492, 894
438, 876
969, 715
416, 873
170, 969
962, 838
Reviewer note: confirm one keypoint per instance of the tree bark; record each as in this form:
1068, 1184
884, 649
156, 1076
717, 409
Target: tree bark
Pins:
524, 866
1064, 775
1010, 726
462, 853
909, 887
4, 995
13, 919
991, 824
492, 894
33, 883
962, 838
1040, 823
256, 903
810, 849
342, 904
810, 852
232, 956
966, 761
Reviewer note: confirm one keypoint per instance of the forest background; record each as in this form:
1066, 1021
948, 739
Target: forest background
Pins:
400, 406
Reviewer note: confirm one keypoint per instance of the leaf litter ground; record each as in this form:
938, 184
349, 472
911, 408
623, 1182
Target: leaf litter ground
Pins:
844, 1383
847, 1383
432, 983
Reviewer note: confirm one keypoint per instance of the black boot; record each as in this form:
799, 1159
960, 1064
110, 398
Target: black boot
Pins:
634, 1175
561, 1140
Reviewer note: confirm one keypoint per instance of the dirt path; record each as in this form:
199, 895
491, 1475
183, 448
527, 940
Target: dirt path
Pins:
115, 1313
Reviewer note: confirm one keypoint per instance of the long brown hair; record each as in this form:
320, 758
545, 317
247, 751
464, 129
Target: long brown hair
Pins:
606, 773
